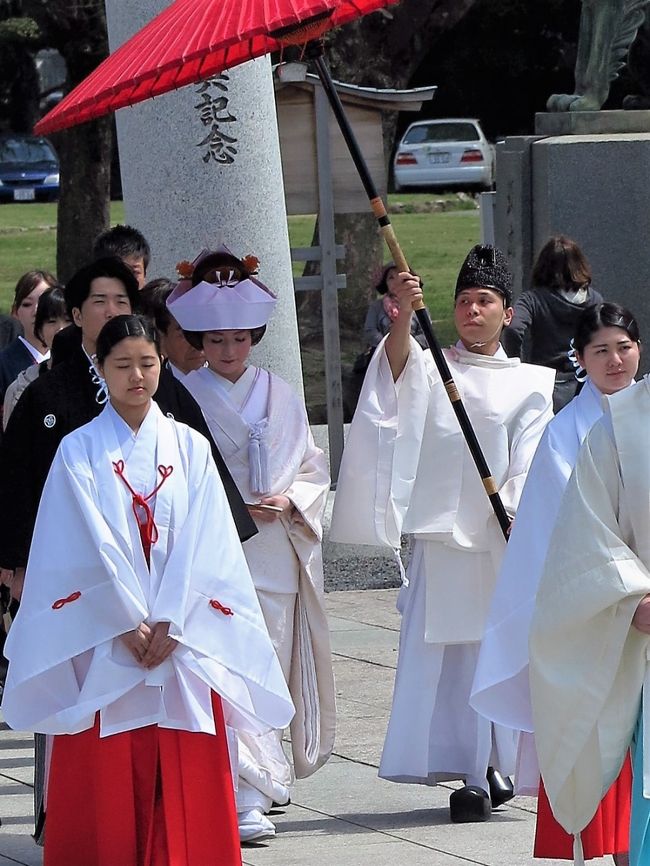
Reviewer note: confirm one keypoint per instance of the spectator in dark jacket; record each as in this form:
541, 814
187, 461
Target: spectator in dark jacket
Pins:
546, 315
10, 328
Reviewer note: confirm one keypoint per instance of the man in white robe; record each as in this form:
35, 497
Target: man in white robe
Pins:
406, 468
589, 636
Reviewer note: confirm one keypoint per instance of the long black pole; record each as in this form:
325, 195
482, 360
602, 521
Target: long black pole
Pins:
315, 53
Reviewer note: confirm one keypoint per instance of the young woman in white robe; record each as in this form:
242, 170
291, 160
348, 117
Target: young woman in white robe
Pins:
608, 349
139, 636
406, 468
261, 427
589, 645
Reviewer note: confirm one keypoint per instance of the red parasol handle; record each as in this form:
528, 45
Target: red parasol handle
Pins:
314, 52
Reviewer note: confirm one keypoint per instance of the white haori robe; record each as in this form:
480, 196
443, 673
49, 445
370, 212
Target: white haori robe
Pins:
500, 691
260, 426
394, 479
87, 583
587, 663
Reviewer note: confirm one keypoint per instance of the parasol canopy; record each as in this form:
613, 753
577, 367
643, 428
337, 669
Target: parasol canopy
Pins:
192, 40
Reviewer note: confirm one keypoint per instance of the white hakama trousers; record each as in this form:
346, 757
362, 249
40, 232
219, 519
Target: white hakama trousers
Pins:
265, 774
433, 734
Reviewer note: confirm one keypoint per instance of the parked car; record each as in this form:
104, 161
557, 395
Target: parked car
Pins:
29, 168
453, 152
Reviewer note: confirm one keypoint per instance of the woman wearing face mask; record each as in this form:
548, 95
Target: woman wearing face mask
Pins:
51, 317
546, 316
607, 348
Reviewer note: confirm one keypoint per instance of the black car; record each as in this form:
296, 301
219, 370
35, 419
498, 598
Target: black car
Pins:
29, 168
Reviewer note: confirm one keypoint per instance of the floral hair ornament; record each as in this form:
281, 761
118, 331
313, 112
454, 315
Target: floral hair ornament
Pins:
252, 264
185, 269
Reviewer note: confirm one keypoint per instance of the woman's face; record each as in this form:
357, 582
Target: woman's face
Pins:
131, 371
25, 312
51, 327
611, 359
227, 352
391, 279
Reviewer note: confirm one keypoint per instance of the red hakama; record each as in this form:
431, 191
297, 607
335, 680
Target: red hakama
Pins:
147, 797
608, 832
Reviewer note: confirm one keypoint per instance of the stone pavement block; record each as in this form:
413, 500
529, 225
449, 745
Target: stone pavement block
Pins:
369, 606
357, 683
19, 850
367, 643
370, 851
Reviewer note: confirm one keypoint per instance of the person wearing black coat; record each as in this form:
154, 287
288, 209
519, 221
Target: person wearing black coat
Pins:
10, 328
14, 358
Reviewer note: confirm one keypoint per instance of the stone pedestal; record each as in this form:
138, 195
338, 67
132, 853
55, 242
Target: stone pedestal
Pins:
201, 166
590, 186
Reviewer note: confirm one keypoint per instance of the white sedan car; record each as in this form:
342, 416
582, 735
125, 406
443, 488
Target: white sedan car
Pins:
452, 152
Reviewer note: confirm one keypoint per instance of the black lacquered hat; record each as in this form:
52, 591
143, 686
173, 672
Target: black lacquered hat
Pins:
487, 268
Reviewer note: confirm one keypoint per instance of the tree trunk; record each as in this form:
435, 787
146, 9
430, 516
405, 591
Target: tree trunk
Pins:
364, 255
78, 30
84, 204
23, 98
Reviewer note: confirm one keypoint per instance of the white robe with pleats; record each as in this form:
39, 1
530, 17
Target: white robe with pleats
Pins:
406, 468
588, 665
500, 690
261, 428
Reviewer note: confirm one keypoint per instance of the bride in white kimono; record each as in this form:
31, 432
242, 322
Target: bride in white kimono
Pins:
134, 639
407, 469
261, 428
608, 350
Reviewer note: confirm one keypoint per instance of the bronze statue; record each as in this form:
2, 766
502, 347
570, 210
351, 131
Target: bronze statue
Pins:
607, 30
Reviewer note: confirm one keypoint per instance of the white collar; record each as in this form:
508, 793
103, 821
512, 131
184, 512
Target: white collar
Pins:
462, 350
178, 374
38, 357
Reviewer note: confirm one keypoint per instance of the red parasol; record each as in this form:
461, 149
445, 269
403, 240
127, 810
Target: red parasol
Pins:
192, 40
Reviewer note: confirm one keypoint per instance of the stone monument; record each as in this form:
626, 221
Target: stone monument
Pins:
201, 166
607, 30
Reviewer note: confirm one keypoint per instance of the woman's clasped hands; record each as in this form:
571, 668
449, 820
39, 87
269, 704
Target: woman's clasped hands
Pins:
149, 645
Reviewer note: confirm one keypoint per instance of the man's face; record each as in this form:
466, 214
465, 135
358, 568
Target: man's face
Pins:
178, 351
480, 316
136, 264
107, 298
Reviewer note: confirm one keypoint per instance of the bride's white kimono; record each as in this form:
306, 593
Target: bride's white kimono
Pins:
87, 583
261, 428
406, 468
500, 691
588, 665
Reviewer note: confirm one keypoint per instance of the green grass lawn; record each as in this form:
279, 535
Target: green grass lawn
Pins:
435, 244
